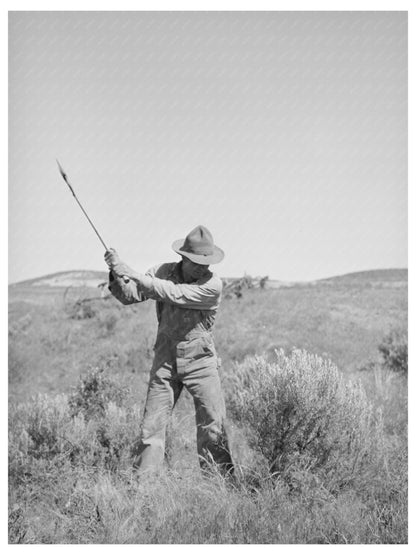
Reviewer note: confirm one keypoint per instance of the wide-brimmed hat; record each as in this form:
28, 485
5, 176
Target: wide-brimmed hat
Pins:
199, 247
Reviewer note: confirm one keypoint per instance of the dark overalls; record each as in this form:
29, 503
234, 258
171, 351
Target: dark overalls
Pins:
185, 355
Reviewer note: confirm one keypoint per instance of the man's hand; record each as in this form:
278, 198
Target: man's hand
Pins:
112, 258
118, 267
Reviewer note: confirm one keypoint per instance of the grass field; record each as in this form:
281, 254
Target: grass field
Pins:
70, 477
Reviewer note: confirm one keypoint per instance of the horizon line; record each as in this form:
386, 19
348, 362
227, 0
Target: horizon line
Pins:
60, 272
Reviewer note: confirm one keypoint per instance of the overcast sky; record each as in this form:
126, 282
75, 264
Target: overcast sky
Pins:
285, 133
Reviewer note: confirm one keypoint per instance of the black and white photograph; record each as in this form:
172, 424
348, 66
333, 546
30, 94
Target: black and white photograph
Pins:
207, 276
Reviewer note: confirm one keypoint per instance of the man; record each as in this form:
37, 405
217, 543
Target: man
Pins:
187, 296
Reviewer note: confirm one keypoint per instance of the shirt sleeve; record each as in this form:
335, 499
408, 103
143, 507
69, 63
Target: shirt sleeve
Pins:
126, 293
202, 295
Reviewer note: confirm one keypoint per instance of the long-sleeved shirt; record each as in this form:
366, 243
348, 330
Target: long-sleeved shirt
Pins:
184, 310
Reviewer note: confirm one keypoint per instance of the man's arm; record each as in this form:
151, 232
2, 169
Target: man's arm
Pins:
122, 289
201, 295
126, 293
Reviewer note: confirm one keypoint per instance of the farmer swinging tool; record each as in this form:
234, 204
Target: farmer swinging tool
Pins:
187, 296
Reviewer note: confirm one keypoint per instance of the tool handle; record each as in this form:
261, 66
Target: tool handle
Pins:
65, 178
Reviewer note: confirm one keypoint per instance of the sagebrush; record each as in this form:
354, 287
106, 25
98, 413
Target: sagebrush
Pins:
393, 348
70, 462
306, 420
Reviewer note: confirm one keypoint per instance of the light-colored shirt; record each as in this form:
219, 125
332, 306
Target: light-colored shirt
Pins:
184, 310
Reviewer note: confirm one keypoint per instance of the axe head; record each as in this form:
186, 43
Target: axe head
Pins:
61, 171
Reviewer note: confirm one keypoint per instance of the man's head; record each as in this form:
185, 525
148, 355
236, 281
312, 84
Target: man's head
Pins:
198, 246
192, 271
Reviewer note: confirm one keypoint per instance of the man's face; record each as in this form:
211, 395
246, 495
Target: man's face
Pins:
191, 271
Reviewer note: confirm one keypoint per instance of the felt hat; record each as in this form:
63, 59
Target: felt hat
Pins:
199, 247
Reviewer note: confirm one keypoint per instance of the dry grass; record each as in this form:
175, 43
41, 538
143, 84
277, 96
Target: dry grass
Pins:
70, 470
72, 482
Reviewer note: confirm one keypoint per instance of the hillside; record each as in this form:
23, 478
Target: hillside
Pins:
73, 278
93, 278
395, 277
57, 330
70, 286
70, 476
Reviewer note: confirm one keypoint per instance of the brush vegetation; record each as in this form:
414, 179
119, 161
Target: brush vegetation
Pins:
318, 432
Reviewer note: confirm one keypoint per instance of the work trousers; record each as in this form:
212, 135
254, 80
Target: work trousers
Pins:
192, 364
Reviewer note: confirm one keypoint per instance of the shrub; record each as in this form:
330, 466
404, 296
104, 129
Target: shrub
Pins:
80, 310
43, 434
110, 323
305, 419
106, 441
107, 319
394, 350
37, 427
95, 390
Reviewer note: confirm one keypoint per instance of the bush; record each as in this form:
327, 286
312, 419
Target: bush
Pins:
44, 434
306, 420
394, 350
94, 392
45, 422
80, 310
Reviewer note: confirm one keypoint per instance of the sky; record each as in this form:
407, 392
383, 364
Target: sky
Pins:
285, 133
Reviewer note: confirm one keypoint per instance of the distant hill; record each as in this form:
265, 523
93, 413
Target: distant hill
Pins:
394, 277
74, 278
